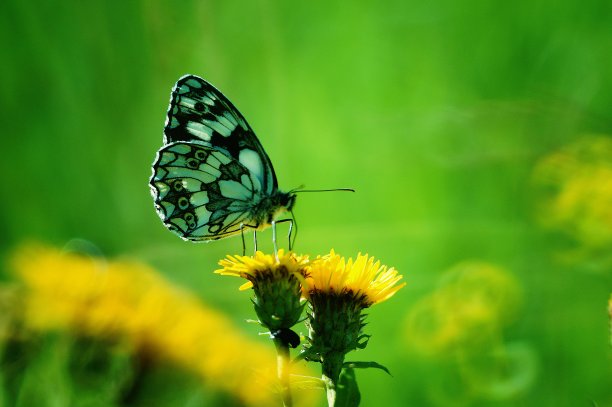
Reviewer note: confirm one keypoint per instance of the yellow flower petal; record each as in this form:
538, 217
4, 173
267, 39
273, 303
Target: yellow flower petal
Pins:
129, 301
253, 267
364, 278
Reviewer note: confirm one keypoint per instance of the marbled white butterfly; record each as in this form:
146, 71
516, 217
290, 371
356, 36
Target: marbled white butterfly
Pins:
212, 178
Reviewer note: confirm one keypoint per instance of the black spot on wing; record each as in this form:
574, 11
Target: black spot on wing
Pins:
232, 171
216, 201
230, 143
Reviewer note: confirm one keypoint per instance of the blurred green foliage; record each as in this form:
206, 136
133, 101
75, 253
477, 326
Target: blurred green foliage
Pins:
436, 113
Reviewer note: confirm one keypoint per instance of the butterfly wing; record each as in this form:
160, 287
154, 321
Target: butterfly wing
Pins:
199, 112
201, 192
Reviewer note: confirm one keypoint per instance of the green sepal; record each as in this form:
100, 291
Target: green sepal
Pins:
362, 341
277, 304
253, 321
347, 393
335, 324
366, 365
305, 354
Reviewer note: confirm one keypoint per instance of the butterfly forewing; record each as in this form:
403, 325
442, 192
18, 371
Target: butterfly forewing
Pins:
199, 112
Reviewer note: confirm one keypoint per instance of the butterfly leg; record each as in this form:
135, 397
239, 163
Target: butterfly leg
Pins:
242, 225
291, 241
291, 222
274, 240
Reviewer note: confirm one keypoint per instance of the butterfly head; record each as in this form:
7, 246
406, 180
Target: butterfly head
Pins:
287, 200
280, 202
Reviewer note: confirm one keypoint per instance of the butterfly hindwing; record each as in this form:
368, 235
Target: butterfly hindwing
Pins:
202, 193
198, 112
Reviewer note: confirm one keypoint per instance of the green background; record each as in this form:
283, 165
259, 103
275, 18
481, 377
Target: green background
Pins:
435, 112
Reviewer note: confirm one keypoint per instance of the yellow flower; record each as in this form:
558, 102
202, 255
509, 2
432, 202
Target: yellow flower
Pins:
471, 305
338, 291
276, 281
366, 280
460, 327
575, 193
263, 267
128, 301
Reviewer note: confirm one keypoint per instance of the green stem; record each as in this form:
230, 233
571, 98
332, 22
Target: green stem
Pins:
282, 367
331, 368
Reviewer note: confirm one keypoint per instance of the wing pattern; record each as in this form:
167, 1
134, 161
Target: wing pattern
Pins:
199, 112
201, 193
212, 176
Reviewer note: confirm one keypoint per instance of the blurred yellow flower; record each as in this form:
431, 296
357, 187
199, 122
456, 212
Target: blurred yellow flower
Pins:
475, 299
128, 301
575, 191
460, 326
365, 279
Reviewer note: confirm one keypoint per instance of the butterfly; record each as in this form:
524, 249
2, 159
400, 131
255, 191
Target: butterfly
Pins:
212, 178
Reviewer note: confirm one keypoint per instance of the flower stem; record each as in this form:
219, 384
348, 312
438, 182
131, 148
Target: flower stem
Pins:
331, 367
282, 367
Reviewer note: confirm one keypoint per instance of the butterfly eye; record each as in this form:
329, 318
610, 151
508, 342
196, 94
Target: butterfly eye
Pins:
178, 185
183, 202
199, 106
200, 155
192, 163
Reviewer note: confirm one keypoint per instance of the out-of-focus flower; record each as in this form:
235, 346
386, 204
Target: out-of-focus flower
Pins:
129, 302
575, 192
460, 325
472, 303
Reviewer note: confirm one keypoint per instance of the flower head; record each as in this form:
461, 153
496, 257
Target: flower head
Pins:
276, 281
262, 267
365, 280
338, 290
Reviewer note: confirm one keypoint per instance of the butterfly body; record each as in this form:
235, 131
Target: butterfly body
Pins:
212, 178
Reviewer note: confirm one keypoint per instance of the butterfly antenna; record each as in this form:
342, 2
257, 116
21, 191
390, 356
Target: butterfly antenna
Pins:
295, 191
